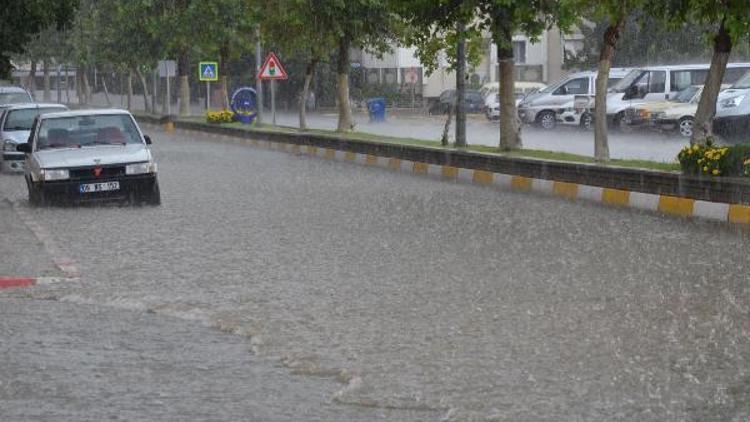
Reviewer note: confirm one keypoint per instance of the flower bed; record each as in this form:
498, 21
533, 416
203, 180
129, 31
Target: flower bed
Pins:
712, 160
223, 116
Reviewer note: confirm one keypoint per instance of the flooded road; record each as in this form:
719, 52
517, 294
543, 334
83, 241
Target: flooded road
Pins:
426, 299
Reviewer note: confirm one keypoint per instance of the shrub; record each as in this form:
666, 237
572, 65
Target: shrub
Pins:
223, 116
711, 160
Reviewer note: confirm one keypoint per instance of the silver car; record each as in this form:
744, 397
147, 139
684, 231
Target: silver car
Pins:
14, 94
89, 155
15, 126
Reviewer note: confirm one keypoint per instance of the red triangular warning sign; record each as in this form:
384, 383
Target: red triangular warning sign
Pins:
272, 68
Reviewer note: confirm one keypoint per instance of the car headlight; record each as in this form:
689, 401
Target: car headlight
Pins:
140, 168
9, 145
732, 102
55, 174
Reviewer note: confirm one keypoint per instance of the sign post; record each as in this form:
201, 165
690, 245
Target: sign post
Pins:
271, 71
167, 69
208, 72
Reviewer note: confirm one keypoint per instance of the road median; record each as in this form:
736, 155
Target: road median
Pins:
670, 192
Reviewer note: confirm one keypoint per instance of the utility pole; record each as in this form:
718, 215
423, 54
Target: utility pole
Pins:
258, 82
461, 86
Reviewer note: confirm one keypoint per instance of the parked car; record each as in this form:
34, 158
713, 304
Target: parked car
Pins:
659, 83
14, 94
522, 88
492, 104
15, 127
541, 108
733, 111
89, 155
474, 102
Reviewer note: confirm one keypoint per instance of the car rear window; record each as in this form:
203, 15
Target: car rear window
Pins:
22, 119
81, 131
15, 98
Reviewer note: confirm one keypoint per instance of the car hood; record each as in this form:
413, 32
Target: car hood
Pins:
17, 136
91, 156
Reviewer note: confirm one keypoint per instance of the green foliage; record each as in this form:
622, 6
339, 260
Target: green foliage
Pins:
645, 40
20, 20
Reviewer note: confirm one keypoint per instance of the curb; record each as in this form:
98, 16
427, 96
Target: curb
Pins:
738, 214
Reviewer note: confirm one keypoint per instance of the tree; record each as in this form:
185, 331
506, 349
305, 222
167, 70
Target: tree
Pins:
728, 21
615, 13
295, 28
366, 25
502, 19
21, 19
444, 31
230, 23
645, 40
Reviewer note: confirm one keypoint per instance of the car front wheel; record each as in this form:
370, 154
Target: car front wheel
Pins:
36, 195
685, 127
547, 120
152, 197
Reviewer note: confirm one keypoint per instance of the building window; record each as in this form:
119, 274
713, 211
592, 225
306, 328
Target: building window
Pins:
519, 52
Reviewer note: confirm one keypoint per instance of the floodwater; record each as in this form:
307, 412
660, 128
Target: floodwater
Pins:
428, 299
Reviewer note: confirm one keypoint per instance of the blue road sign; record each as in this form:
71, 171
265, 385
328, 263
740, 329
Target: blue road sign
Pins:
208, 71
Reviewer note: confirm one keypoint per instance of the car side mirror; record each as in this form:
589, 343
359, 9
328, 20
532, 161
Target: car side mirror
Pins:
147, 139
25, 148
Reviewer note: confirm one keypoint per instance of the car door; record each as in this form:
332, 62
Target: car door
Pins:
566, 92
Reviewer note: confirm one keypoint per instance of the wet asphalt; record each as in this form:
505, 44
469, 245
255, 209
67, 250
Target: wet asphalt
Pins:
418, 299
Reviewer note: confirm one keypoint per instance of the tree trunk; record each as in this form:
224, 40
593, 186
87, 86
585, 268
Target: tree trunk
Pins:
702, 127
345, 112
510, 126
6, 69
31, 81
601, 142
67, 84
130, 89
224, 72
144, 84
80, 93
86, 88
309, 73
106, 91
45, 70
183, 63
460, 87
446, 129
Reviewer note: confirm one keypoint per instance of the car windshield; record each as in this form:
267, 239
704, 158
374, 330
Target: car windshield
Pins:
82, 131
627, 80
686, 94
22, 119
14, 98
743, 83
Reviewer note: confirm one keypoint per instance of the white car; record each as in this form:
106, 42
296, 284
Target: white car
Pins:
89, 155
15, 127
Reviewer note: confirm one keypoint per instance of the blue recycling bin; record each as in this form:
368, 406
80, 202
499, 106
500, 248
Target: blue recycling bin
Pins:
376, 109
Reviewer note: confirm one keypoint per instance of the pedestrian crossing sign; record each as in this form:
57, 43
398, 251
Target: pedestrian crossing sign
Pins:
208, 71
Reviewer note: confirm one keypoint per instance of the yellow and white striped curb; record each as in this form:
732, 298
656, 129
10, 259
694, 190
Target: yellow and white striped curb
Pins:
670, 205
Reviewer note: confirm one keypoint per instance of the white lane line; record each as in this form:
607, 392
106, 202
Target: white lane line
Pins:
62, 261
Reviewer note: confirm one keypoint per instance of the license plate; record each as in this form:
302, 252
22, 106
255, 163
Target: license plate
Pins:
99, 187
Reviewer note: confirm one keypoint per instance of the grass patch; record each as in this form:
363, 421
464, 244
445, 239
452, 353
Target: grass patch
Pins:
522, 153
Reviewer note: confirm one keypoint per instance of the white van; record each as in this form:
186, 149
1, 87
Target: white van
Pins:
541, 107
659, 83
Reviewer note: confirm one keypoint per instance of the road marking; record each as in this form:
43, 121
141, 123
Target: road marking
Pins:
60, 259
521, 183
739, 214
565, 190
682, 207
483, 177
11, 282
450, 172
616, 197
